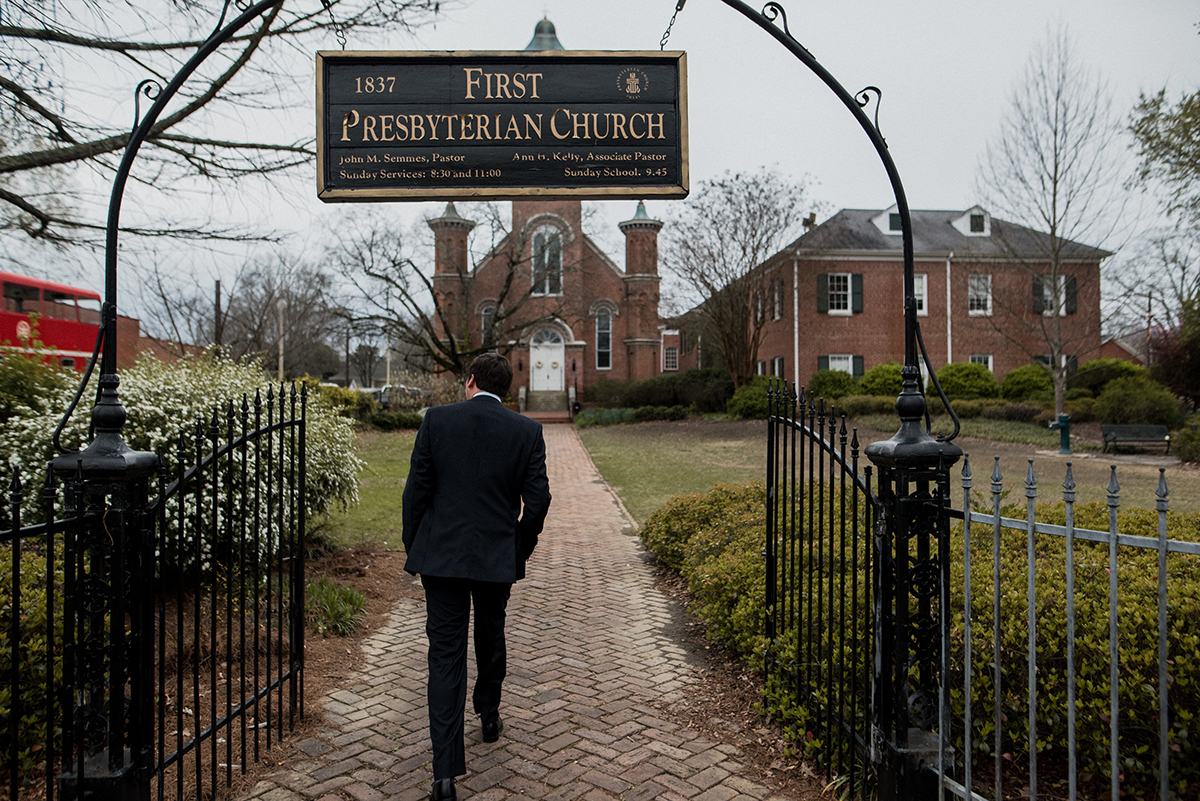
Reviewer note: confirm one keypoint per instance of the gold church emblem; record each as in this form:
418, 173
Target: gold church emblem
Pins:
633, 82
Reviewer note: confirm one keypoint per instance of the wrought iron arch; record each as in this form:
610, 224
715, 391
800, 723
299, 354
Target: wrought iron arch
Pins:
912, 440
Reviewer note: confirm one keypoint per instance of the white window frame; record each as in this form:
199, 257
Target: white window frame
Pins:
777, 367
846, 297
760, 368
539, 250
670, 359
777, 300
921, 293
1048, 296
972, 296
844, 362
604, 318
984, 359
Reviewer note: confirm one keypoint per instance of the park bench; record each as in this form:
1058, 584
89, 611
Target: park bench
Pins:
1118, 434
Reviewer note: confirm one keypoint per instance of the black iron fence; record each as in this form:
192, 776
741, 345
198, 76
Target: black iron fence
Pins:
821, 526
156, 645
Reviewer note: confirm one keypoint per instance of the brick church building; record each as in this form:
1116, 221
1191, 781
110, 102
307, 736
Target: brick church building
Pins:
549, 298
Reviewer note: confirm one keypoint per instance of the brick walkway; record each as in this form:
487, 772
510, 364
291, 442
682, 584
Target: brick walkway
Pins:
589, 657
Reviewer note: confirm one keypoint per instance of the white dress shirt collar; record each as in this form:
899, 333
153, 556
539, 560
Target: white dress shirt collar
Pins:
486, 394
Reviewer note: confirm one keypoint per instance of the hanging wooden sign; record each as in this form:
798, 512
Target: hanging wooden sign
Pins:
448, 125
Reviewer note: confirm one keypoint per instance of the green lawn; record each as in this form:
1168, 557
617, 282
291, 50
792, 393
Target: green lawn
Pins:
376, 518
647, 463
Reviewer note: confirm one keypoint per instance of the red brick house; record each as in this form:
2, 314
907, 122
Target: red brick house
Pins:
570, 315
834, 298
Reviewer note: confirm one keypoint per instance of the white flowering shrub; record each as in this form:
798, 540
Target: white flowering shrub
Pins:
164, 399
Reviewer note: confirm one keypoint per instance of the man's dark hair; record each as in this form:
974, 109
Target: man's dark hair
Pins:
492, 373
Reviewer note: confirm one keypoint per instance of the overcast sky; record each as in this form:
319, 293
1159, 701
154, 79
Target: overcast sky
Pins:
946, 70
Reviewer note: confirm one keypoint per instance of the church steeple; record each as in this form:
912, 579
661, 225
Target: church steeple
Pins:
544, 37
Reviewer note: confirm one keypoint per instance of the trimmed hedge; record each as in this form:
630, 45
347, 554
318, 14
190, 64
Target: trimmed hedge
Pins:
1137, 401
831, 385
394, 421
706, 389
964, 380
1023, 382
609, 417
882, 379
1186, 444
1097, 374
716, 540
750, 400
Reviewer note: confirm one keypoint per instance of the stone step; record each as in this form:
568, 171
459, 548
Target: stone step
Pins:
549, 418
544, 401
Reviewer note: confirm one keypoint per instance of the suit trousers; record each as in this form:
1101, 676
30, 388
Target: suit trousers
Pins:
448, 604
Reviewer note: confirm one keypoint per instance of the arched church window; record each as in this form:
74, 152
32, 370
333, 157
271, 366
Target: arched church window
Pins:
487, 322
603, 339
547, 336
547, 261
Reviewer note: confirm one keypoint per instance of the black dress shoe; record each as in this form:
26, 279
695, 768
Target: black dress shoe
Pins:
443, 790
492, 729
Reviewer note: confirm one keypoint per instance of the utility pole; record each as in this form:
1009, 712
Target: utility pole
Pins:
280, 306
218, 324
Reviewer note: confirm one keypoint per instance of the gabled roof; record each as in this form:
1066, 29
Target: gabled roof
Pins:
935, 233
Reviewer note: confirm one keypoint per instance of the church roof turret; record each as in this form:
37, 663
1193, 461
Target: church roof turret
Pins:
641, 221
544, 37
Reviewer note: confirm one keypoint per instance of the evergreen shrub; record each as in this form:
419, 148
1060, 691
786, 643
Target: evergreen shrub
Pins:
707, 390
716, 540
394, 421
860, 405
1021, 383
1137, 401
1096, 374
1186, 445
831, 385
1082, 410
750, 400
604, 417
882, 379
667, 531
965, 380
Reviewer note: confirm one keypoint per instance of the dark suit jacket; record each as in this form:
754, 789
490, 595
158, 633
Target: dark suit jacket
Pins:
473, 464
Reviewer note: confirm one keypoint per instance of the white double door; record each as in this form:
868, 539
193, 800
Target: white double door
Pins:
546, 357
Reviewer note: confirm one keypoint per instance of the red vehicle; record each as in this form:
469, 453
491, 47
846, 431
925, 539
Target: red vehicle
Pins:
67, 318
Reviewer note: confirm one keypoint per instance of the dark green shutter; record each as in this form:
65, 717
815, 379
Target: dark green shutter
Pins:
1039, 295
822, 362
1072, 302
858, 366
856, 303
1072, 365
823, 292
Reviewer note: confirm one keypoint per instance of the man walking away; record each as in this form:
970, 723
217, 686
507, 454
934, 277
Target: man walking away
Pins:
474, 464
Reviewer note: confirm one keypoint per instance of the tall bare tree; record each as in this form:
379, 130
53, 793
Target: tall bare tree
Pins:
713, 244
1055, 166
63, 62
436, 325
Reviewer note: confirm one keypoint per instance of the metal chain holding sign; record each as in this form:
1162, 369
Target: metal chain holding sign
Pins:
339, 31
662, 45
